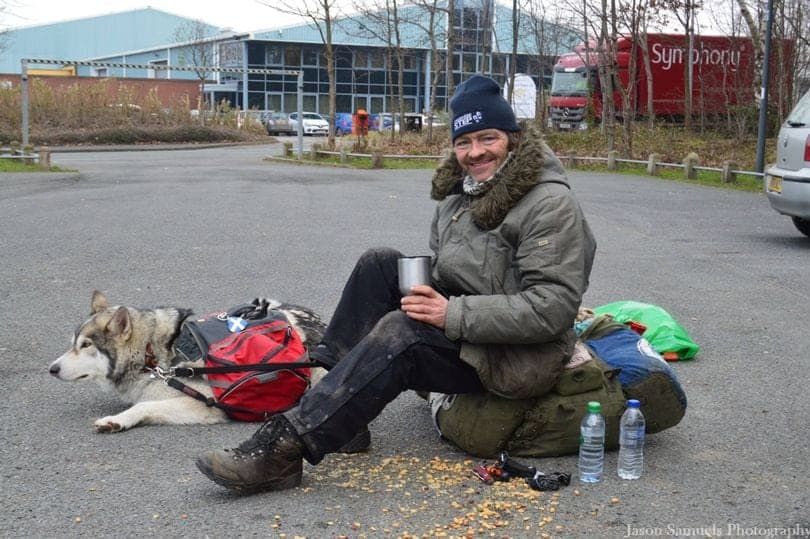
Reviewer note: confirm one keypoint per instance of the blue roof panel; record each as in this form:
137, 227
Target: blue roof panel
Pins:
92, 37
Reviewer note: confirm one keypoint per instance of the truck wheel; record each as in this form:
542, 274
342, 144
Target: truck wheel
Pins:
802, 225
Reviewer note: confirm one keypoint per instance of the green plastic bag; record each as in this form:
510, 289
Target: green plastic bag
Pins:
663, 333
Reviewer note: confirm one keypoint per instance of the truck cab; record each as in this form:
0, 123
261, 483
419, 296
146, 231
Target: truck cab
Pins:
570, 91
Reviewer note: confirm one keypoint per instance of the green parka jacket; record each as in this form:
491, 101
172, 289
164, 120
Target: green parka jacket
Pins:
514, 263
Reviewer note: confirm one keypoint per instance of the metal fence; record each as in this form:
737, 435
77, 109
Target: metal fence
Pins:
27, 155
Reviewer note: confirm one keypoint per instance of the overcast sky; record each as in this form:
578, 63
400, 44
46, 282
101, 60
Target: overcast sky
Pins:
240, 15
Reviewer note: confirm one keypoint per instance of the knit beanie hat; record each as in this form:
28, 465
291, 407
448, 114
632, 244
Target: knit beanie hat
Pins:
478, 104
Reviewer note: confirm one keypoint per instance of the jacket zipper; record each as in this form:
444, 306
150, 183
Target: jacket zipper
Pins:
465, 205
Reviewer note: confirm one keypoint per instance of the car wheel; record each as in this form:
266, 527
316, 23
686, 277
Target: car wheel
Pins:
802, 225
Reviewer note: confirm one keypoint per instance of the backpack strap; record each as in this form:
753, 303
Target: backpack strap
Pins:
208, 401
185, 372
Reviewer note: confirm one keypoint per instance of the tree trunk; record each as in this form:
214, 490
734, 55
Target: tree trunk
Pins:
451, 45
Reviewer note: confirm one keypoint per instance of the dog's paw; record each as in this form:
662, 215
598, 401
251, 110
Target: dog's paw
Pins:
108, 424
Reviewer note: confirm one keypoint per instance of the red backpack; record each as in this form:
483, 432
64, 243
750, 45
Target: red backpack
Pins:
252, 359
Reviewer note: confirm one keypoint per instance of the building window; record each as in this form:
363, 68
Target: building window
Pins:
470, 63
343, 58
377, 59
343, 102
292, 56
311, 57
231, 54
100, 72
360, 59
273, 55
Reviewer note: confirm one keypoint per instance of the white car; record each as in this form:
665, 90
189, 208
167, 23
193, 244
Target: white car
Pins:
787, 183
313, 124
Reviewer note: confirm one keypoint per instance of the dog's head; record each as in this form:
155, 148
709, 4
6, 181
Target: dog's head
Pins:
103, 346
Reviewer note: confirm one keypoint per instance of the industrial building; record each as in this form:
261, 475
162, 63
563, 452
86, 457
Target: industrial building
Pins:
366, 58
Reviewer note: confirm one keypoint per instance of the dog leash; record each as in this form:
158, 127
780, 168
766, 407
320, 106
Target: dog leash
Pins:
170, 378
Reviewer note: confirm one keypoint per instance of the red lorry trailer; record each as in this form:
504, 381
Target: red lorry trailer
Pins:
722, 76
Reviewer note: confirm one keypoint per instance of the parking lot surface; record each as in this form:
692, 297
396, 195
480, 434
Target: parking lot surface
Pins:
210, 228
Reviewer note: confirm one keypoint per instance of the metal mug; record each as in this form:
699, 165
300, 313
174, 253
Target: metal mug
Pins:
413, 270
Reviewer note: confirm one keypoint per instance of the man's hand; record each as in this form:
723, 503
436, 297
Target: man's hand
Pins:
426, 305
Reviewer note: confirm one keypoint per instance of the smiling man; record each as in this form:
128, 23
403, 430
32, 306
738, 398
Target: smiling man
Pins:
512, 255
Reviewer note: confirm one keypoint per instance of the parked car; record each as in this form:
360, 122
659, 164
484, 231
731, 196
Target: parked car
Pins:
413, 121
313, 123
343, 124
787, 183
384, 121
278, 123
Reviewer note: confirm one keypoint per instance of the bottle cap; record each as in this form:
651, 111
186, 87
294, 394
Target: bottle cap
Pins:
594, 407
633, 403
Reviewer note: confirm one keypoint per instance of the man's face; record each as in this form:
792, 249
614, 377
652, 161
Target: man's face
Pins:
480, 153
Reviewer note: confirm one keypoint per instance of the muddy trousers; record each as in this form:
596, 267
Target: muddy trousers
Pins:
378, 352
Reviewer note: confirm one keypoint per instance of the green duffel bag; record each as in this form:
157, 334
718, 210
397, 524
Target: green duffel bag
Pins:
484, 424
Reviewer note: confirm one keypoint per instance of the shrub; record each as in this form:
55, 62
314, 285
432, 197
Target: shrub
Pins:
90, 114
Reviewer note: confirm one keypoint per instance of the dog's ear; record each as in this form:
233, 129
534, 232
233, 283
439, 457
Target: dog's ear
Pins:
98, 303
120, 325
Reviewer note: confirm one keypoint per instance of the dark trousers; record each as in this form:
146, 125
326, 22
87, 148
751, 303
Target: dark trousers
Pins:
378, 353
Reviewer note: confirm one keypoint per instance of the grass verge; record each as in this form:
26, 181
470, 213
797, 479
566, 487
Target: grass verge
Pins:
389, 163
708, 178
16, 165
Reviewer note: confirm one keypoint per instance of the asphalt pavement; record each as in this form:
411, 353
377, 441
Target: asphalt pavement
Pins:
209, 228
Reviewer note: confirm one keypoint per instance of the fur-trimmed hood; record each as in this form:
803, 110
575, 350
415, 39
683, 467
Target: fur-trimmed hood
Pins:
532, 163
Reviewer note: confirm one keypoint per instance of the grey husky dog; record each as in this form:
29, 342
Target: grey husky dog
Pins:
118, 347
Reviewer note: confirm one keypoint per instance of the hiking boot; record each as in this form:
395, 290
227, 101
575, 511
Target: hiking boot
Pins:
361, 442
268, 460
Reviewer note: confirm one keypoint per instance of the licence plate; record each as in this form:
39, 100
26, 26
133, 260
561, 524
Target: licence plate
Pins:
775, 184
564, 125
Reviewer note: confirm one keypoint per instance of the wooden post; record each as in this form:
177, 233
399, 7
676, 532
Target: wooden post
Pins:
611, 162
727, 175
45, 158
313, 151
15, 147
28, 152
571, 160
652, 165
288, 148
343, 155
689, 163
376, 160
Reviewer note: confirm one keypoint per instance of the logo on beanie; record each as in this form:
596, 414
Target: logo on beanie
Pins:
467, 119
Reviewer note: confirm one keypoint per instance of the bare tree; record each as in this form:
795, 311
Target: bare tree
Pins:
432, 32
4, 33
789, 35
789, 54
322, 14
792, 21
382, 20
685, 12
550, 31
197, 51
513, 60
450, 47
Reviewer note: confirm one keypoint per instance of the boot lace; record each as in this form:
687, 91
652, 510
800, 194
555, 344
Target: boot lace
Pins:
265, 437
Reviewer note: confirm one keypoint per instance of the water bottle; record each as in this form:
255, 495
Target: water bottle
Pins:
631, 440
592, 444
